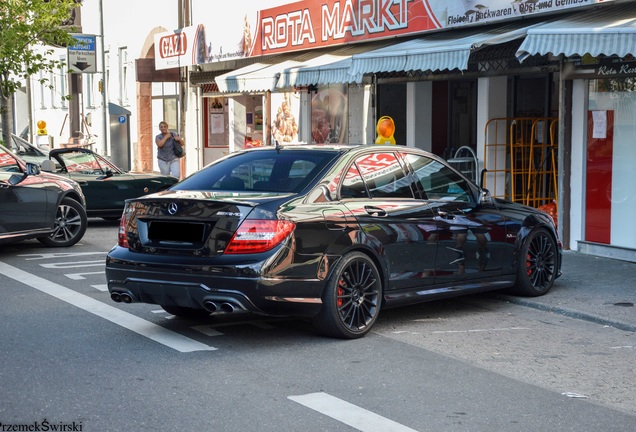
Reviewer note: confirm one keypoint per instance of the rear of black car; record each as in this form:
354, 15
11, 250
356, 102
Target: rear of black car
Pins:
220, 240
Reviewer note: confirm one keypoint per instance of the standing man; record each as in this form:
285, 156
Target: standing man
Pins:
166, 141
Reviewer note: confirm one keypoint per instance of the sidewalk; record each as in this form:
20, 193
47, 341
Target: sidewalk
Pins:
600, 290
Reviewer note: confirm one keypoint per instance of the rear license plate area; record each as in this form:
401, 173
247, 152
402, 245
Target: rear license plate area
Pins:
179, 232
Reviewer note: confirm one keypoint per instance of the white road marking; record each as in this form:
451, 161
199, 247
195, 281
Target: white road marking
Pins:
574, 395
60, 255
80, 276
110, 313
65, 265
207, 330
481, 330
101, 287
349, 414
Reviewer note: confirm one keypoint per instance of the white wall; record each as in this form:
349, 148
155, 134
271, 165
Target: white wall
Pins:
419, 115
579, 150
491, 104
361, 116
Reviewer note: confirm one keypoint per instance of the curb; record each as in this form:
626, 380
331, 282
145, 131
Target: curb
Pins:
570, 313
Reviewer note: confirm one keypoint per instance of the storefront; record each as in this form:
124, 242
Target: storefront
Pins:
464, 77
598, 107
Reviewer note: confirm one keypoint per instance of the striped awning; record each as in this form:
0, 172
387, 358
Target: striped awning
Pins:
257, 77
325, 69
438, 52
331, 68
607, 31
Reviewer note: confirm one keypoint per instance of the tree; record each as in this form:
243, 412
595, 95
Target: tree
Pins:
28, 31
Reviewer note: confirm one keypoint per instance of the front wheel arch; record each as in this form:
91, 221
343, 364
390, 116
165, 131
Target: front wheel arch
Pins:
538, 264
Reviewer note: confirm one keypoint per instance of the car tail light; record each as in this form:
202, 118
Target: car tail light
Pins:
122, 239
254, 236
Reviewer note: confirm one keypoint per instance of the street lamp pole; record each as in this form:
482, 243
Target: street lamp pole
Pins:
106, 132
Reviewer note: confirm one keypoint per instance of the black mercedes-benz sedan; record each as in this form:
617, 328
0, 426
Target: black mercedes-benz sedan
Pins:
331, 233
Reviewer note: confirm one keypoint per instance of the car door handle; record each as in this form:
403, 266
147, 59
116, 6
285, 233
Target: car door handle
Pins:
375, 211
446, 215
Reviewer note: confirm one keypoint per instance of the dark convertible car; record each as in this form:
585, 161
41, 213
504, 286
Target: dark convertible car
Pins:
105, 186
39, 205
330, 233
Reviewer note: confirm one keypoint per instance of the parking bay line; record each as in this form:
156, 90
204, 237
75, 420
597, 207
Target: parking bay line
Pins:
110, 313
349, 414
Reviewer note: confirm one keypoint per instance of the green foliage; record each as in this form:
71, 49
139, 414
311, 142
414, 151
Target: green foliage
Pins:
28, 30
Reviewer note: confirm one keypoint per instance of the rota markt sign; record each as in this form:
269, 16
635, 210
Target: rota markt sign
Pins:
81, 56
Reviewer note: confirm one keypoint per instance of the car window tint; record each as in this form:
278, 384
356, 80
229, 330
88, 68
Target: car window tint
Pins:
353, 185
24, 149
383, 177
8, 162
438, 181
261, 171
81, 163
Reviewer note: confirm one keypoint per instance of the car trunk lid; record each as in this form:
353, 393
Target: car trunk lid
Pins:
185, 222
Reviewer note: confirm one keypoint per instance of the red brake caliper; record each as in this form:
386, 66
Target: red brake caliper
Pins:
340, 301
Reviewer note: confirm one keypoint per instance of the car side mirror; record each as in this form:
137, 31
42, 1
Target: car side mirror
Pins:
107, 174
32, 169
485, 197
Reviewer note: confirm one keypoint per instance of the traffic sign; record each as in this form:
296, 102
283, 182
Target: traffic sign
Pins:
82, 56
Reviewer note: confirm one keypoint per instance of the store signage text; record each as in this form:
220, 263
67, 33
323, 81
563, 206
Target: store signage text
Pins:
181, 47
304, 25
616, 70
338, 21
173, 45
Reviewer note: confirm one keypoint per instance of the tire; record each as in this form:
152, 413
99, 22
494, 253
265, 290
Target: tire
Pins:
352, 298
186, 312
70, 224
537, 267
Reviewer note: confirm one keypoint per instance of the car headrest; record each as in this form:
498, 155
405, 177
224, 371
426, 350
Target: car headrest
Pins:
47, 165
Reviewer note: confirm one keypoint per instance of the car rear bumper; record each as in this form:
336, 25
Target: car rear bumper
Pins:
214, 288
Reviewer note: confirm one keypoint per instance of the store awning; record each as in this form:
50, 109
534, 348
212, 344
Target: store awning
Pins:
331, 68
325, 69
607, 31
263, 76
442, 51
256, 77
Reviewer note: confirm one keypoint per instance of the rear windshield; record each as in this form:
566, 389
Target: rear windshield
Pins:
261, 171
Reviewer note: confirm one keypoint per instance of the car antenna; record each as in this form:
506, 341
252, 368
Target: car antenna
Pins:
277, 146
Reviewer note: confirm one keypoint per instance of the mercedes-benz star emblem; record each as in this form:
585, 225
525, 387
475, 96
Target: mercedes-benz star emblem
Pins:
172, 208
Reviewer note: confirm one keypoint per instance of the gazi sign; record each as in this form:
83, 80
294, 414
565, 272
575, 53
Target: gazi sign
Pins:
178, 48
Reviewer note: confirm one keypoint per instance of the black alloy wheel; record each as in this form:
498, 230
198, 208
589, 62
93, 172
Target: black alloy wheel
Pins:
537, 267
352, 297
70, 224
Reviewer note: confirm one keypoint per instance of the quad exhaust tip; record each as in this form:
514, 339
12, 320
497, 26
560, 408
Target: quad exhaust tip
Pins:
210, 306
119, 297
227, 307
